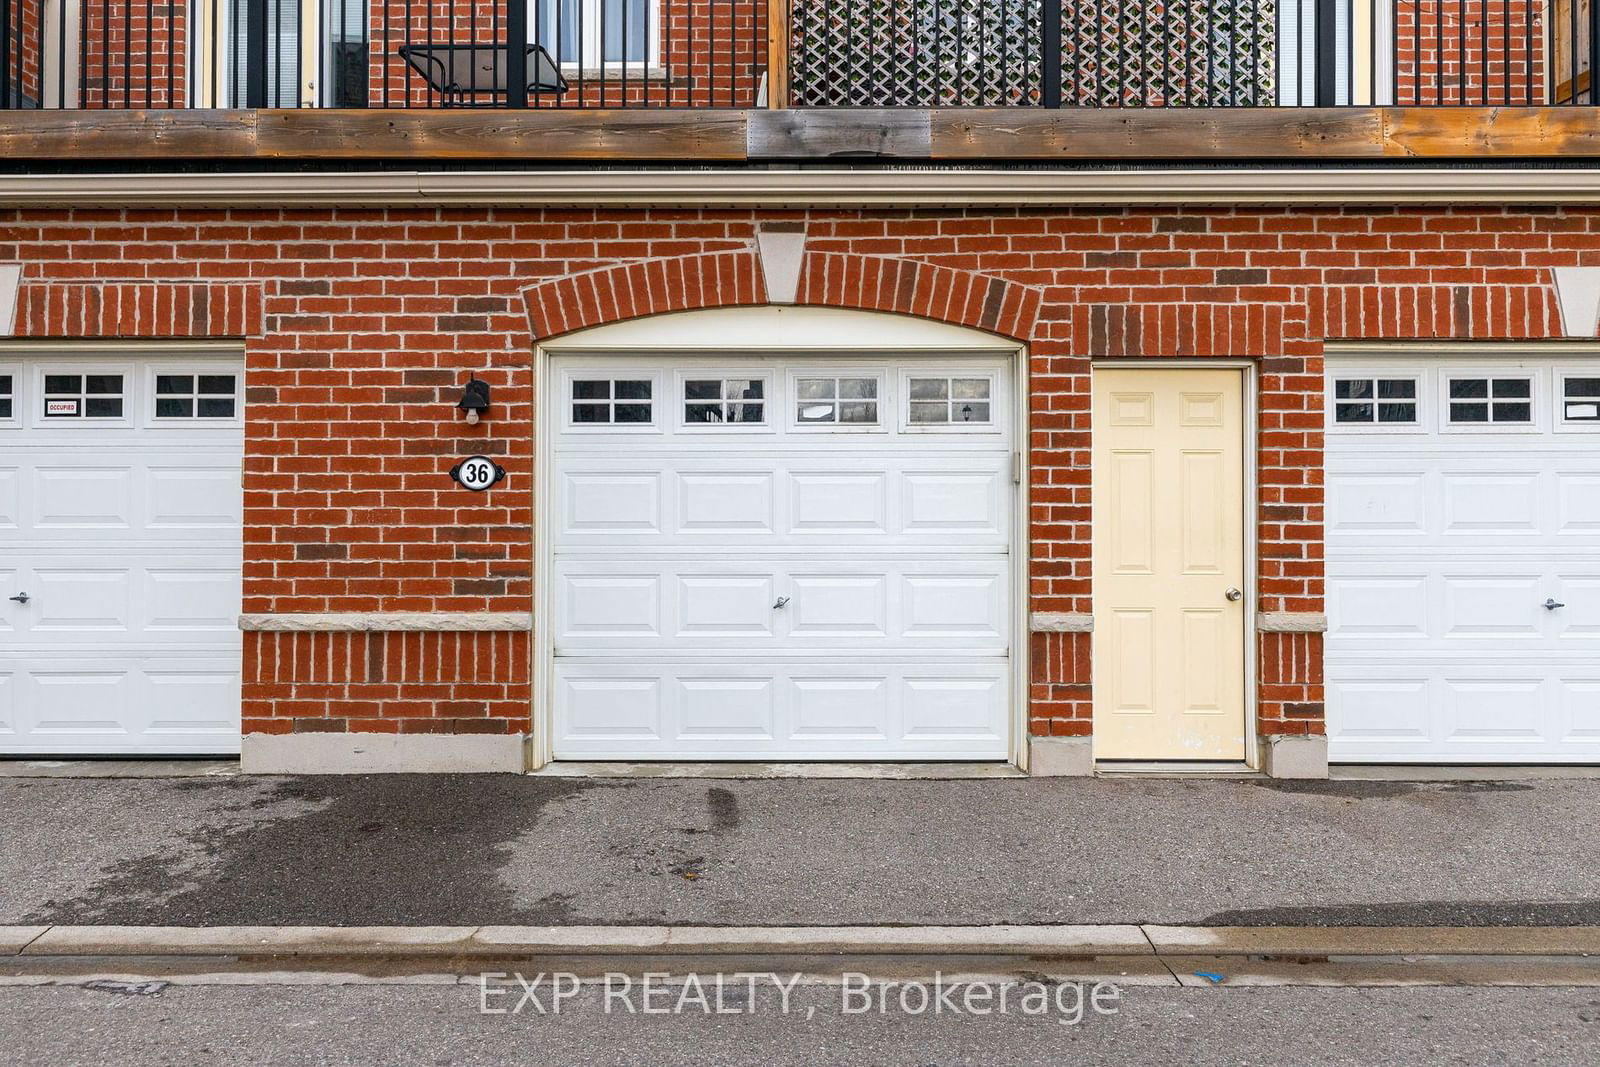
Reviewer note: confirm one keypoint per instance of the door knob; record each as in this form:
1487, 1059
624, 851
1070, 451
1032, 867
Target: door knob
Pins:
780, 602
21, 598
1234, 595
1552, 604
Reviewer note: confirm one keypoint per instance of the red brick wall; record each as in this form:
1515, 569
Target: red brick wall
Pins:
360, 325
1470, 51
136, 54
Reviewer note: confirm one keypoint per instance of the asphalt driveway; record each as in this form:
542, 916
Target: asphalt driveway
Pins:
508, 849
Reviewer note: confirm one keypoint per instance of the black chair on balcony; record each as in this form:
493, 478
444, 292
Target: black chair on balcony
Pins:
474, 75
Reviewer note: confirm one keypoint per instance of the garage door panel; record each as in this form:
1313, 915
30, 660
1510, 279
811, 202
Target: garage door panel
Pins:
714, 707
1579, 620
1482, 502
192, 600
191, 498
1504, 606
726, 501
1382, 504
609, 502
862, 606
1379, 606
698, 500
727, 708
1397, 709
80, 599
838, 502
1579, 504
1578, 700
10, 498
82, 498
939, 501
75, 701
1444, 544
719, 605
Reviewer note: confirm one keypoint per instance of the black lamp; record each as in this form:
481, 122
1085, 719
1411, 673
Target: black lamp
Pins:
474, 399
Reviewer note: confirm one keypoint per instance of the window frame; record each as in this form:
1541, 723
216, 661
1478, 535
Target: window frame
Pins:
18, 395
147, 402
591, 46
571, 375
903, 410
1417, 426
1536, 404
770, 398
1558, 395
84, 368
885, 399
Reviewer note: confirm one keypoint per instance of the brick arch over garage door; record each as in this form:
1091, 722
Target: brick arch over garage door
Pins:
827, 279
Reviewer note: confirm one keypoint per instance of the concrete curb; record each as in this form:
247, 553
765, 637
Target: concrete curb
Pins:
500, 942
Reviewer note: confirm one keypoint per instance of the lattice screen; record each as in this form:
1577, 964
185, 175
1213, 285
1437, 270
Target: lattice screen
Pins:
985, 53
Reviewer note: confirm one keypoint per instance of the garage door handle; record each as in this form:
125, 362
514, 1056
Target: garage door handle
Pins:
1552, 604
21, 598
780, 602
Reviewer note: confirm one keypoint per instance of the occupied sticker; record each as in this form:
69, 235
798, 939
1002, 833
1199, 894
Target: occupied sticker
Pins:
60, 407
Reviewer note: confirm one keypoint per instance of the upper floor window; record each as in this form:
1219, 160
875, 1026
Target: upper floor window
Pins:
595, 33
1490, 400
1391, 401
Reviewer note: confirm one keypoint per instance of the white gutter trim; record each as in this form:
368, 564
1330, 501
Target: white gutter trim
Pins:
735, 187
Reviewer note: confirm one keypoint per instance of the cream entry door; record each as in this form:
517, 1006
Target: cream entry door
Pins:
1169, 570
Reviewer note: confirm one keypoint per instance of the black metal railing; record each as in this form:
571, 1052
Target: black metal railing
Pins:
126, 54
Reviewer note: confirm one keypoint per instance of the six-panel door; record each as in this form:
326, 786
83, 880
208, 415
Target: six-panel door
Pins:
1169, 565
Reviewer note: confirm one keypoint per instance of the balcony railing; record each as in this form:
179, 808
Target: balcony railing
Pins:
141, 54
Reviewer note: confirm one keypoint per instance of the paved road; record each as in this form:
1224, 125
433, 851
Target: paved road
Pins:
512, 849
441, 1025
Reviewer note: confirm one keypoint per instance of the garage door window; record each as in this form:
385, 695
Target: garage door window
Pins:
606, 401
849, 401
724, 401
1580, 400
7, 396
196, 396
83, 396
1500, 401
949, 402
1375, 401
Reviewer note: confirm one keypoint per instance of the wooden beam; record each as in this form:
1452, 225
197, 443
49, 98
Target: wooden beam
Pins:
534, 136
839, 133
1114, 134
950, 135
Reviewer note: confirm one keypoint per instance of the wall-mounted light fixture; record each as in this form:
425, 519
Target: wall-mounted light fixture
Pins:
474, 399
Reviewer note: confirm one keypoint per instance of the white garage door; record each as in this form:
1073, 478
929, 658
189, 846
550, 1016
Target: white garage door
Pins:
1464, 560
120, 505
782, 559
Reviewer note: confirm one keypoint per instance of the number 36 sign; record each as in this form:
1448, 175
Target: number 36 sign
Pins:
477, 473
